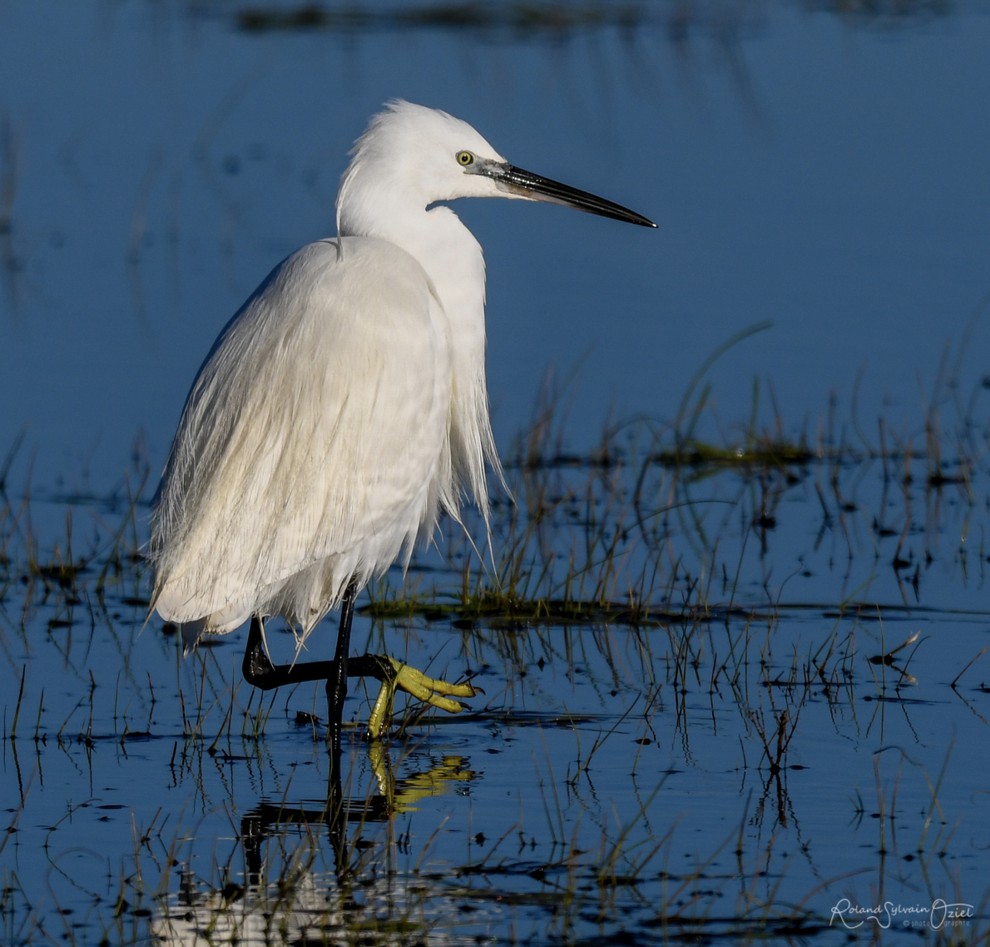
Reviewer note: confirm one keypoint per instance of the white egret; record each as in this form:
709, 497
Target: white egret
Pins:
342, 409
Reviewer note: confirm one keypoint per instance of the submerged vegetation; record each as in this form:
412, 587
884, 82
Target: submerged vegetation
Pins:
733, 682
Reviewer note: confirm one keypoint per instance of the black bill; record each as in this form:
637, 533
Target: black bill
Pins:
533, 187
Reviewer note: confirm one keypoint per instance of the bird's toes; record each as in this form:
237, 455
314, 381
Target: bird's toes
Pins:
436, 692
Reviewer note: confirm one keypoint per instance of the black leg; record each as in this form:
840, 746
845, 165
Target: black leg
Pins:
337, 679
259, 671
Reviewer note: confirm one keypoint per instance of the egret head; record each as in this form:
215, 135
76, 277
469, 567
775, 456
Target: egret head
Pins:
411, 157
408, 158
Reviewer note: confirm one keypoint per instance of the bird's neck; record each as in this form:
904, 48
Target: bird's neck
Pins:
455, 264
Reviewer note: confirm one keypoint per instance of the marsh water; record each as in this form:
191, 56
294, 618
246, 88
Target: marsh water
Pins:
732, 640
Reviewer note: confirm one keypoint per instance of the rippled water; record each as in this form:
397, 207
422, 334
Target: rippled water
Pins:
732, 651
764, 709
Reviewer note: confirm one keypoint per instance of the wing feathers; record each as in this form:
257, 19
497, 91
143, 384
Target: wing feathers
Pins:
293, 467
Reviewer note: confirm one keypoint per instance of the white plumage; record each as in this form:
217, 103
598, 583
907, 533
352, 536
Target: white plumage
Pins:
308, 452
339, 410
344, 406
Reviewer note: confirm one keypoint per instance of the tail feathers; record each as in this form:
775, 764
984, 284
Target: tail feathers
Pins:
191, 632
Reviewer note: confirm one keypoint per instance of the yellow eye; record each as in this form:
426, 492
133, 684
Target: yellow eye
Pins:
465, 159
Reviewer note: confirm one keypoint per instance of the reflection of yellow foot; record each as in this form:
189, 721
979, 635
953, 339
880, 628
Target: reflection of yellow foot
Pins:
433, 782
402, 795
437, 693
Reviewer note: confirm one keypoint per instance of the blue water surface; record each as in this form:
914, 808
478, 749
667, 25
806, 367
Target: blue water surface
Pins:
820, 182
823, 173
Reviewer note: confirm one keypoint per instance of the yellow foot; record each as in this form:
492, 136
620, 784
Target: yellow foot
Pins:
437, 693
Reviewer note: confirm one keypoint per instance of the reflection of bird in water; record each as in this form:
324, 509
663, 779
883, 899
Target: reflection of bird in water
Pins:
342, 409
386, 909
302, 904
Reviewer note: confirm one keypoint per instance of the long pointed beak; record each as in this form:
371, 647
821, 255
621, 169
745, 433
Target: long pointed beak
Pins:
534, 187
